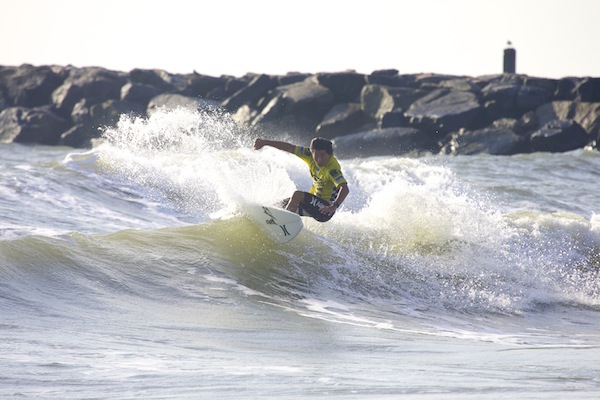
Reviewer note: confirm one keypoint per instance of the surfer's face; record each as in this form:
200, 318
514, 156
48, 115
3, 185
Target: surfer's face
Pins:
321, 157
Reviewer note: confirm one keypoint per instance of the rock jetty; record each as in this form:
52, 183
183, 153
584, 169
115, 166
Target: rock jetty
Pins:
382, 113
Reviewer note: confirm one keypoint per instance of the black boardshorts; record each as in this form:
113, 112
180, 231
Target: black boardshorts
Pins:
311, 206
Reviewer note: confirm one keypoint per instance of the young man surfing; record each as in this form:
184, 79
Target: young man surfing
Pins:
329, 188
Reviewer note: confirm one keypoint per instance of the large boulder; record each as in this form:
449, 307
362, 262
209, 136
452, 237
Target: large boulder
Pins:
307, 97
65, 97
565, 89
199, 85
342, 119
345, 86
444, 111
173, 101
554, 110
588, 90
3, 102
79, 136
301, 105
559, 136
380, 142
585, 114
511, 96
377, 100
231, 85
109, 112
93, 83
29, 86
250, 94
138, 93
588, 116
530, 97
494, 140
499, 98
292, 77
161, 80
390, 77
81, 113
31, 125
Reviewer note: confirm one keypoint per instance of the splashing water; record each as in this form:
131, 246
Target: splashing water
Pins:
410, 226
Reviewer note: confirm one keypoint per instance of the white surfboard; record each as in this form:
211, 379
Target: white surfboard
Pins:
281, 225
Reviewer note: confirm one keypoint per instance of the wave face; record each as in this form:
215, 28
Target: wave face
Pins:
144, 234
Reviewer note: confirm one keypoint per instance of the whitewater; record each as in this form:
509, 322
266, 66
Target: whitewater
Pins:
128, 270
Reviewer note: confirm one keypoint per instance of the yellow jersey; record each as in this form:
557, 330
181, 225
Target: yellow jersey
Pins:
325, 179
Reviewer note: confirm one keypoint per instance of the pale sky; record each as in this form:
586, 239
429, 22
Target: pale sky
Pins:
553, 38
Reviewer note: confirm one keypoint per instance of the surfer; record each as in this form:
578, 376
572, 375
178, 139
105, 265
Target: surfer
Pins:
329, 188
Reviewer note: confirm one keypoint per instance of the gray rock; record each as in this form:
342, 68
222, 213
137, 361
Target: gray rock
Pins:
29, 86
79, 136
585, 114
303, 103
345, 86
174, 101
342, 119
93, 83
495, 141
157, 78
588, 90
138, 93
445, 111
109, 112
31, 125
559, 136
199, 85
377, 100
380, 142
250, 94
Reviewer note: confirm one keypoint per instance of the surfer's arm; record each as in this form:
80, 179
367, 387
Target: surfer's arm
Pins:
260, 143
342, 194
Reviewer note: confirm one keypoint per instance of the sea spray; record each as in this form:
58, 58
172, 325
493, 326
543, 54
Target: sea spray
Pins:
411, 228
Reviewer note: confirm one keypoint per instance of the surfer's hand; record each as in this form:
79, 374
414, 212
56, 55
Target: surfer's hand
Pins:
329, 210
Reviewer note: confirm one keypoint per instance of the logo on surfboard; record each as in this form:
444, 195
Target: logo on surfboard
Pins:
273, 221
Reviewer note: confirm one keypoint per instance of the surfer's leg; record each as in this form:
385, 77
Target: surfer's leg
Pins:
294, 201
311, 206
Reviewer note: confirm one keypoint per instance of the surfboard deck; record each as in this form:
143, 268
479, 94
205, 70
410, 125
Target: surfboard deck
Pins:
279, 224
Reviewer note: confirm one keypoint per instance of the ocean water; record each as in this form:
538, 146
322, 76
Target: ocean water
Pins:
128, 271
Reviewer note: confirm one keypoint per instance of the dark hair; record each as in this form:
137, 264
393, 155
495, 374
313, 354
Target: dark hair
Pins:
320, 143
